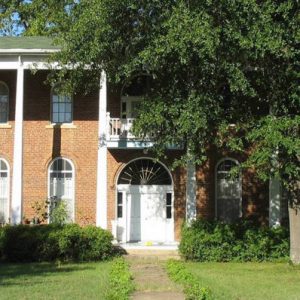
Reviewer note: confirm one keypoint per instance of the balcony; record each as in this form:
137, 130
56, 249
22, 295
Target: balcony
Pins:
119, 134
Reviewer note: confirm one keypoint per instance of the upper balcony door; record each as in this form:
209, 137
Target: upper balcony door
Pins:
130, 106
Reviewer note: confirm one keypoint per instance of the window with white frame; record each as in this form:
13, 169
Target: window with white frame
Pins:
61, 185
4, 101
4, 191
61, 107
228, 191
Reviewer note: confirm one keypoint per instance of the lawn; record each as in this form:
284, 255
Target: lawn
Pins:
51, 281
247, 281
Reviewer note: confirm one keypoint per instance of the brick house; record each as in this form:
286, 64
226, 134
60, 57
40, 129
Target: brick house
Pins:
80, 149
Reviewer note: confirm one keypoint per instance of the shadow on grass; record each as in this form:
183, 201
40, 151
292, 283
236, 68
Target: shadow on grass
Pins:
13, 271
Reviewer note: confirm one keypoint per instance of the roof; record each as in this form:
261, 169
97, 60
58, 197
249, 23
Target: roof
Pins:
27, 44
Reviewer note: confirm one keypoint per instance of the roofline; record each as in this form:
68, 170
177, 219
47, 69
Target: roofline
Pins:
28, 51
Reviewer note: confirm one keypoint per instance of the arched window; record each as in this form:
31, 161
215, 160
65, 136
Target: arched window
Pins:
61, 184
145, 172
61, 107
4, 100
4, 191
228, 191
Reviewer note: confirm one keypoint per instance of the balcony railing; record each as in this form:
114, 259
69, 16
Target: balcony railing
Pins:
119, 129
119, 135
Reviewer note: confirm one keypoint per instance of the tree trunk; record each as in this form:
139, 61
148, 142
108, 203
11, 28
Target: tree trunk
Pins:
294, 215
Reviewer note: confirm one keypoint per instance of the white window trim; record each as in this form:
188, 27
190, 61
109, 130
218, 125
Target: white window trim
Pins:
4, 125
216, 185
8, 186
73, 176
58, 124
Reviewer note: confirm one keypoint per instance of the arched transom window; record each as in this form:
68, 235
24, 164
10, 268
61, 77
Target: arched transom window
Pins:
61, 183
145, 172
4, 191
228, 191
4, 100
61, 107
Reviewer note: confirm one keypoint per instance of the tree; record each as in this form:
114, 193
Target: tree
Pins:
221, 72
35, 17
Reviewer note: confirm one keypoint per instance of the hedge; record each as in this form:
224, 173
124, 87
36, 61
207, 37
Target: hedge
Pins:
242, 241
24, 243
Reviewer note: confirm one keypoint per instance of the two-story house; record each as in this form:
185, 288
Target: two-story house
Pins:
81, 149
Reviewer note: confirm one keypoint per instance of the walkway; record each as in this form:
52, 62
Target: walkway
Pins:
151, 280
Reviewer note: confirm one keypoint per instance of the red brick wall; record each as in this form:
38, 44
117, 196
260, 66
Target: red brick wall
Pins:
42, 144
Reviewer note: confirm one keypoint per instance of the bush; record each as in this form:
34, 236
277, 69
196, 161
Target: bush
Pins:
52, 242
242, 241
83, 244
120, 281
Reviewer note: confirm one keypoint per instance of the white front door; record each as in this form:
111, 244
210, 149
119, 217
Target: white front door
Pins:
134, 212
148, 217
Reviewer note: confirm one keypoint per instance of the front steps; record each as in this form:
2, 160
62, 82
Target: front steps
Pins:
161, 252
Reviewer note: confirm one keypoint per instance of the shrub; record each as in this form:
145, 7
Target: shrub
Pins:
88, 243
120, 281
242, 241
53, 242
1, 242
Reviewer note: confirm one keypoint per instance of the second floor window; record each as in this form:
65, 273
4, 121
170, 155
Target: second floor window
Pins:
4, 95
61, 107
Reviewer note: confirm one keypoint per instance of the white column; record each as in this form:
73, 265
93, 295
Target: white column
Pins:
17, 180
274, 202
191, 189
101, 213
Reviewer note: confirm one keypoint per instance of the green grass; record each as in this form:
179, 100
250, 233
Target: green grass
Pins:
51, 281
247, 281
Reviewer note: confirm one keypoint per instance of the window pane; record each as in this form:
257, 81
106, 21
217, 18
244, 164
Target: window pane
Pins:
61, 117
120, 212
55, 108
169, 212
68, 118
61, 107
55, 118
3, 109
59, 164
68, 166
169, 199
68, 107
120, 198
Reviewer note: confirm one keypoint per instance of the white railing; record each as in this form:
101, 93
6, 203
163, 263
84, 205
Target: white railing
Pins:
119, 128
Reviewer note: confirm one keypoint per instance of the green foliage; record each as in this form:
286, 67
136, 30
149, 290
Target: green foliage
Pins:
84, 244
35, 17
192, 287
59, 213
120, 281
53, 242
243, 241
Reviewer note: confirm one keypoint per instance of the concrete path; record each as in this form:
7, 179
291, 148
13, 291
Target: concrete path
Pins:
151, 280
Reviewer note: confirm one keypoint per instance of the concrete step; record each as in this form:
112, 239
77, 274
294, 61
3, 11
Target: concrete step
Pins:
153, 253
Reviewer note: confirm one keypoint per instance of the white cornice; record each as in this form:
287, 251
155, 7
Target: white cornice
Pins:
28, 51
